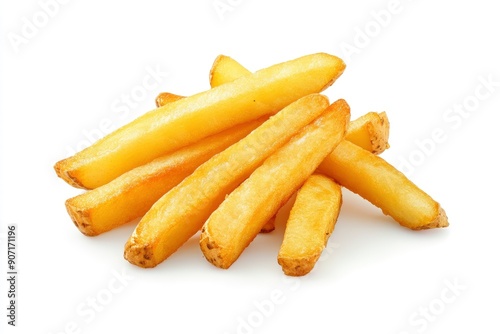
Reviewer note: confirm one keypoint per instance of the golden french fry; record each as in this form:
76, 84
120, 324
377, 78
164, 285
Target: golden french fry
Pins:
370, 131
165, 98
311, 221
132, 194
188, 120
236, 222
181, 212
377, 181
226, 69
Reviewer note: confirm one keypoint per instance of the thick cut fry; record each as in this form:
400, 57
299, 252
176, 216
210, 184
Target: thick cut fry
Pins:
165, 98
181, 212
132, 194
370, 131
188, 120
311, 221
241, 216
377, 181
226, 69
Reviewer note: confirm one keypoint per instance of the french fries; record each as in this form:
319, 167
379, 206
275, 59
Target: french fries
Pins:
370, 131
225, 160
188, 120
181, 212
166, 98
377, 181
311, 221
244, 212
226, 69
132, 194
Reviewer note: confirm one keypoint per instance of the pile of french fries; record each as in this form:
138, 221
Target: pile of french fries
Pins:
224, 161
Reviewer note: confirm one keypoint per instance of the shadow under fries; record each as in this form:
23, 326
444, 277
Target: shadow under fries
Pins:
363, 234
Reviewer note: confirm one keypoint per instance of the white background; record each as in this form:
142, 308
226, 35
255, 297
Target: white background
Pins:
64, 80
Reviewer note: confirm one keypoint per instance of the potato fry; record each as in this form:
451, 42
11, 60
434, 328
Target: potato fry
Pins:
236, 222
181, 212
226, 69
370, 131
311, 221
188, 120
165, 98
380, 183
132, 194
